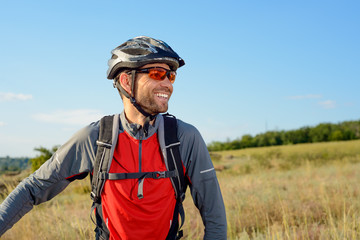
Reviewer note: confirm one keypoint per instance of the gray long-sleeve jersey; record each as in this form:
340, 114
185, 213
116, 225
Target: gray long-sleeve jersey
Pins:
76, 157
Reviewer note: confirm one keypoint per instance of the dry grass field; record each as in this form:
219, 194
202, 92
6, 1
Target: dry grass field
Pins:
305, 191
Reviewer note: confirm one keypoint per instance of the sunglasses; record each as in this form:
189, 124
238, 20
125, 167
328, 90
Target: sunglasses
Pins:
159, 73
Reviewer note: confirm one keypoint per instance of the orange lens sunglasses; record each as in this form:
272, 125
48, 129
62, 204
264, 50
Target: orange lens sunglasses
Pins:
159, 73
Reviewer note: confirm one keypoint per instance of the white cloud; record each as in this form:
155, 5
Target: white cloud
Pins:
70, 117
309, 96
2, 124
14, 97
328, 104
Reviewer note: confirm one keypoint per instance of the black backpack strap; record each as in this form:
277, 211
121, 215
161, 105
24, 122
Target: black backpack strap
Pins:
137, 175
102, 158
140, 176
101, 164
172, 145
174, 162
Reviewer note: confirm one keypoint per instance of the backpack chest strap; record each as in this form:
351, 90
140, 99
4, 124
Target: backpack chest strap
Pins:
137, 175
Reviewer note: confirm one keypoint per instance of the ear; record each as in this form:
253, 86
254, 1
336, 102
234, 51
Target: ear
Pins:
125, 80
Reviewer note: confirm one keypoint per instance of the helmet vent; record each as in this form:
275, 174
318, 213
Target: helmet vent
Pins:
138, 51
143, 45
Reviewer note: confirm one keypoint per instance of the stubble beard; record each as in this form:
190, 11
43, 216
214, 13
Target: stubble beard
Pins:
149, 104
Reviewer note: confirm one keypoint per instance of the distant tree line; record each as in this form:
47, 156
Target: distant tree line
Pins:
324, 132
8, 164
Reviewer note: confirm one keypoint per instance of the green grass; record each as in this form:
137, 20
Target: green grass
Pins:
253, 160
307, 191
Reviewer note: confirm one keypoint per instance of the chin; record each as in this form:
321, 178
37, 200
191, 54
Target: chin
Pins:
161, 111
162, 108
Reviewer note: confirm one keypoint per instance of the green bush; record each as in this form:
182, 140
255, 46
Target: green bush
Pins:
45, 154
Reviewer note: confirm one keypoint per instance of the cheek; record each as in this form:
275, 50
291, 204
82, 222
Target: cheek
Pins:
171, 88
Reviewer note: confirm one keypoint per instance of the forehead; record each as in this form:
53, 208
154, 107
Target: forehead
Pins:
163, 65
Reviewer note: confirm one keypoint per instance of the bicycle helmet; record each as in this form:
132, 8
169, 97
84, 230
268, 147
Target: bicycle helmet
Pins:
140, 51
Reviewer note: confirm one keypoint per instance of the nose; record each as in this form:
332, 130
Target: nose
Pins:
166, 83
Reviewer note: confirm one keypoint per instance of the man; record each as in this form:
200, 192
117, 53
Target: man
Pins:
143, 70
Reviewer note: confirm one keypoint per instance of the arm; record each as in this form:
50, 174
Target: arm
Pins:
204, 185
72, 161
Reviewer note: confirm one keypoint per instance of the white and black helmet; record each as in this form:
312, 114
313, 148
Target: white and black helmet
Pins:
139, 51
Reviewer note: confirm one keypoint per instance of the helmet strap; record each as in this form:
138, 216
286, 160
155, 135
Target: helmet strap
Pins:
149, 117
133, 75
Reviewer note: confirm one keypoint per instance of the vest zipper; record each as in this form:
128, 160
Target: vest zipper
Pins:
140, 155
141, 181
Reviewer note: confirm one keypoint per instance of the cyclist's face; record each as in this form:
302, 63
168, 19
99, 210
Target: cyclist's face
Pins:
153, 95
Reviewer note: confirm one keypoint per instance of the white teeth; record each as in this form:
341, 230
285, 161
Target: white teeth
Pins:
162, 95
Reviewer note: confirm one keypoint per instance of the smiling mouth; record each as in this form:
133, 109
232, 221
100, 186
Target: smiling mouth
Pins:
162, 95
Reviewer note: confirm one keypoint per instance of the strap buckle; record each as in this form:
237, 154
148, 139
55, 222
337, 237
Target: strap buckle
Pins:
159, 175
94, 197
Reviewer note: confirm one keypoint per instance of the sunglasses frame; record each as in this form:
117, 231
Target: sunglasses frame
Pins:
168, 72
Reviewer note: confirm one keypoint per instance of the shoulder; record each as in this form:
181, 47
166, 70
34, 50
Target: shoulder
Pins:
187, 131
92, 131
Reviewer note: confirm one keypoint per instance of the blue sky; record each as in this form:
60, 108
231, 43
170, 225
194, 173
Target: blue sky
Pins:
251, 66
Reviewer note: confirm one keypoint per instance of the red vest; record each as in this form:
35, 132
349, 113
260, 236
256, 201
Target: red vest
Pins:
127, 216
